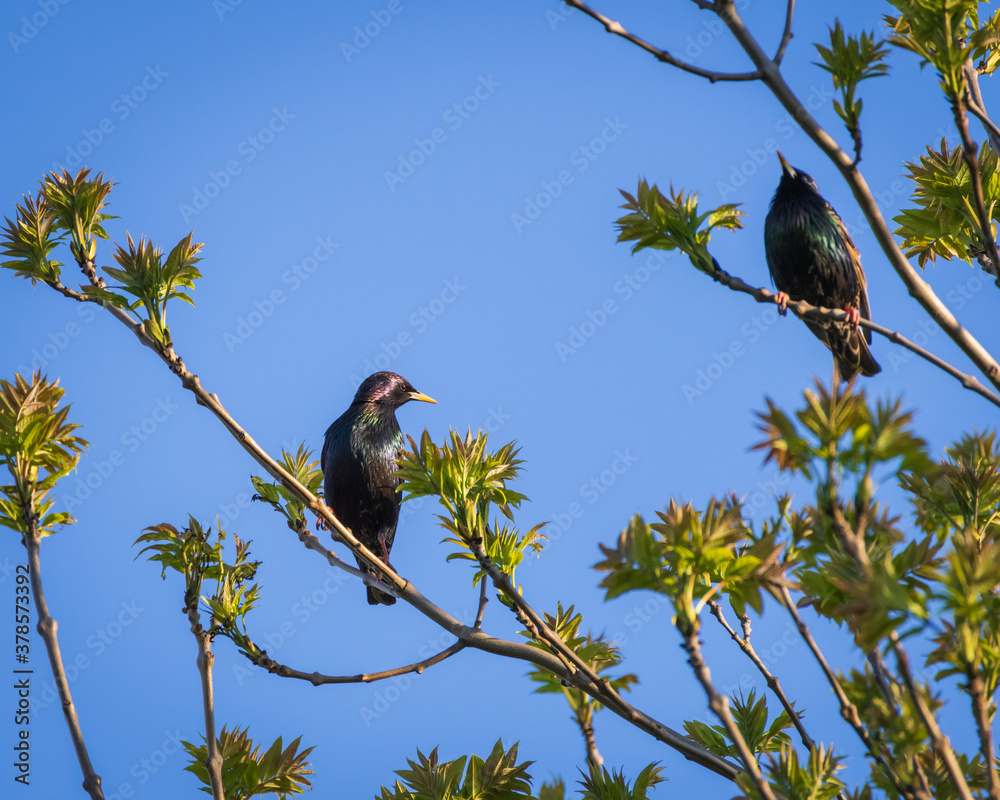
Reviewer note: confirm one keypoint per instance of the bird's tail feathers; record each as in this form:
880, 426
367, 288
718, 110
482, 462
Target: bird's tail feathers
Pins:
852, 354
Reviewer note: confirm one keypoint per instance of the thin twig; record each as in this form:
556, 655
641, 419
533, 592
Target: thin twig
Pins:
205, 660
848, 710
938, 739
48, 628
772, 682
786, 35
981, 711
970, 154
318, 679
661, 55
803, 310
978, 108
719, 704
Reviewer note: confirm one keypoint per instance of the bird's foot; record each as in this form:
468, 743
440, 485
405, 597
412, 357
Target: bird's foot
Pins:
781, 298
853, 316
321, 523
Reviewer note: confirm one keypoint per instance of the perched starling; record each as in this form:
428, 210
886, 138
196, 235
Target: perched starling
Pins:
811, 257
359, 466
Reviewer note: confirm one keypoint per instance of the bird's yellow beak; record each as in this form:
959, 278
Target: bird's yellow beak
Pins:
422, 397
787, 168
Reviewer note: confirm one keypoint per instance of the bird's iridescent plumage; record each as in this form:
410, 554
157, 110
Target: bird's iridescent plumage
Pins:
811, 257
359, 466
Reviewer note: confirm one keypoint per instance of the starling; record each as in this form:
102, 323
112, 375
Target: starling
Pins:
359, 466
811, 257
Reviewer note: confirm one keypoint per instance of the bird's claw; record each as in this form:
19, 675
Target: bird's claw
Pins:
781, 298
853, 316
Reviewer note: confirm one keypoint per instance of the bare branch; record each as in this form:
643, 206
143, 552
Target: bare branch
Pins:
970, 154
205, 660
803, 310
848, 710
661, 55
974, 101
719, 704
47, 628
938, 739
318, 679
772, 682
981, 711
786, 35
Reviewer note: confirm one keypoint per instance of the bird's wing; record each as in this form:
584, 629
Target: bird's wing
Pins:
864, 307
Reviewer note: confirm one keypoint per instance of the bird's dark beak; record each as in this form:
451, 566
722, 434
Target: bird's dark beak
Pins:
421, 397
786, 168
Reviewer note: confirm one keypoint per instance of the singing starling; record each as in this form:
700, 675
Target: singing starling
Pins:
359, 466
811, 257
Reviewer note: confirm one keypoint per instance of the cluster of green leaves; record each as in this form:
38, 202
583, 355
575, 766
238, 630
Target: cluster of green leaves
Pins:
470, 482
63, 206
306, 472
73, 207
960, 499
152, 281
945, 34
851, 60
500, 777
598, 654
246, 773
751, 718
669, 223
944, 221
35, 435
193, 553
838, 442
691, 557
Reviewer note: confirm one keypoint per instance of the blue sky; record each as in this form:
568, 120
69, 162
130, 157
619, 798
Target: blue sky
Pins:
431, 189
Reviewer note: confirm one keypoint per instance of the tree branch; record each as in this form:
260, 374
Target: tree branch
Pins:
804, 310
205, 660
318, 679
970, 154
848, 710
47, 628
939, 740
981, 711
661, 55
720, 706
786, 35
772, 682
